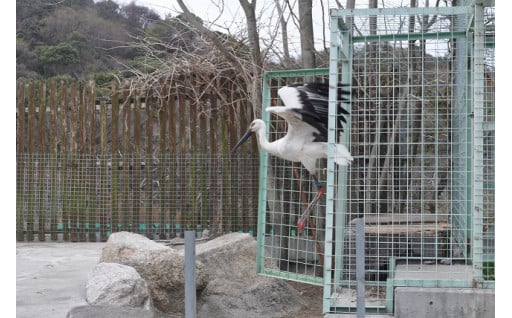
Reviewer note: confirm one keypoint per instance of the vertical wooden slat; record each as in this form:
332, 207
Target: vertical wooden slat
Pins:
75, 186
103, 200
183, 157
213, 176
41, 151
137, 164
194, 194
54, 183
127, 207
205, 162
149, 216
163, 188
31, 166
172, 104
226, 171
93, 165
65, 161
116, 219
218, 180
82, 162
20, 163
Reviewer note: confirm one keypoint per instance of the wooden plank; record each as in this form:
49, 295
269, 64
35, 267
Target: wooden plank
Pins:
103, 200
172, 106
194, 195
127, 194
137, 165
82, 162
163, 188
149, 216
389, 218
41, 151
116, 217
402, 229
54, 182
65, 162
20, 162
31, 150
92, 166
73, 169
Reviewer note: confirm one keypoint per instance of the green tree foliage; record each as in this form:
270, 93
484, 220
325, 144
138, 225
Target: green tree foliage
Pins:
64, 54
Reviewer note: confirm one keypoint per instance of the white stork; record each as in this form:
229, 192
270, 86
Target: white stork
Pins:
306, 113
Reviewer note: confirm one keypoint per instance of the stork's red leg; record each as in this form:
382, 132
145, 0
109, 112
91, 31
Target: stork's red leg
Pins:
301, 223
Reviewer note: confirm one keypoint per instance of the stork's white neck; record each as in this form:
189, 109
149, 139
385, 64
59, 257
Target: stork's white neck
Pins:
270, 147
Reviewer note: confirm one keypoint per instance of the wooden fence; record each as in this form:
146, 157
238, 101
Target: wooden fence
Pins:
155, 162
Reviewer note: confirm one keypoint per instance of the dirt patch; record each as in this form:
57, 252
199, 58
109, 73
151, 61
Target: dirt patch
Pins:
313, 295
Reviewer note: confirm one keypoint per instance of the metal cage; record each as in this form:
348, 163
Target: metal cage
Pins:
421, 131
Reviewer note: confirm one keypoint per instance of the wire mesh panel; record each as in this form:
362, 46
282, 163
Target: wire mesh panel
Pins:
414, 128
286, 188
74, 197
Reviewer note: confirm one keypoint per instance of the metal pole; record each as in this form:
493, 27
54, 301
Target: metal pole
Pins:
190, 274
360, 254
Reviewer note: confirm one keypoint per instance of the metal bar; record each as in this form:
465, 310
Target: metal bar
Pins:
478, 141
190, 274
408, 36
360, 255
292, 73
402, 11
331, 138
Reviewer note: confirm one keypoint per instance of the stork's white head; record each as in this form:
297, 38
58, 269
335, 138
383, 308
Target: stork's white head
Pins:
256, 126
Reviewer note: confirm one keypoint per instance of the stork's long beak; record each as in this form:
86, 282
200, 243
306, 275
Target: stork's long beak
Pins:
246, 136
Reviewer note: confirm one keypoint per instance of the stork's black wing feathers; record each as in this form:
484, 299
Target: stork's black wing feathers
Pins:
315, 99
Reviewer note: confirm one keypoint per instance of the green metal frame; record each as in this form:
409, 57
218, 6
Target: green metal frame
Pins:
263, 173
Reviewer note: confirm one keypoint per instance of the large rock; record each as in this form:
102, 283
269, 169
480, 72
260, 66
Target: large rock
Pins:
162, 267
234, 289
117, 284
226, 276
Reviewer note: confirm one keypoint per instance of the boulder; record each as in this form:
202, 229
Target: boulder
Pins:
117, 284
160, 266
234, 289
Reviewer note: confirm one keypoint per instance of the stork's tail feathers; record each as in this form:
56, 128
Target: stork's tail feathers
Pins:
343, 156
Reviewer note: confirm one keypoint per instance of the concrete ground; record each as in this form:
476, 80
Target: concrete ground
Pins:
51, 277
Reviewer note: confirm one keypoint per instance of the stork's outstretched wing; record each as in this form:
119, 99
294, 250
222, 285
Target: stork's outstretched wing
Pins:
309, 102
